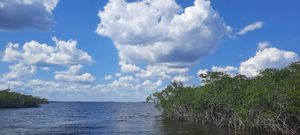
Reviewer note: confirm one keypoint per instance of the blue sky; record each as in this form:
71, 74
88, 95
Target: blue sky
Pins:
134, 48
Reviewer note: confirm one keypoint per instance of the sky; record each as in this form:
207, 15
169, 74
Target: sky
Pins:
124, 50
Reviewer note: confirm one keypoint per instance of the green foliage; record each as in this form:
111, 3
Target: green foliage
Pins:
269, 102
17, 100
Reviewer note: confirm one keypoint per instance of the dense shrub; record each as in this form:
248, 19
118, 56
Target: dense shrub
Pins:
17, 100
269, 102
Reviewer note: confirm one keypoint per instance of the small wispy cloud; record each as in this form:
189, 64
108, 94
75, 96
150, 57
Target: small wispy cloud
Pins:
250, 27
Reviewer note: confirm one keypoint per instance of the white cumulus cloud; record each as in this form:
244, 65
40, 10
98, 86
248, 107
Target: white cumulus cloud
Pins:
160, 31
263, 45
228, 69
35, 53
270, 57
148, 84
73, 75
181, 78
19, 71
160, 71
265, 57
34, 56
202, 71
108, 77
127, 67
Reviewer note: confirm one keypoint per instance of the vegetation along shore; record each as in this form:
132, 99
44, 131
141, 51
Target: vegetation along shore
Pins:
268, 103
10, 99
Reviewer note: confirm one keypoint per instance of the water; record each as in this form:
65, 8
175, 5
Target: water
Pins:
96, 118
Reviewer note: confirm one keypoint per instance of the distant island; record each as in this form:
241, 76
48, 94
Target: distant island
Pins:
267, 103
9, 99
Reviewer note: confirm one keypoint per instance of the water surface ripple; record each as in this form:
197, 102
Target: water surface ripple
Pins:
87, 118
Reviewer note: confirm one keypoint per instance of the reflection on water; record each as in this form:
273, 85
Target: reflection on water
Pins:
96, 118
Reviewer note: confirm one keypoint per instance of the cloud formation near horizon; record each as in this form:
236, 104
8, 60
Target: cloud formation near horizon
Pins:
27, 60
265, 57
20, 14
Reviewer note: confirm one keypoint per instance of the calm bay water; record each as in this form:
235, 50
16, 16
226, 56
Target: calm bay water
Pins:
96, 118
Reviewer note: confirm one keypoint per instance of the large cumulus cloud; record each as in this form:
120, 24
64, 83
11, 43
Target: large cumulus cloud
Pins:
19, 14
160, 31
